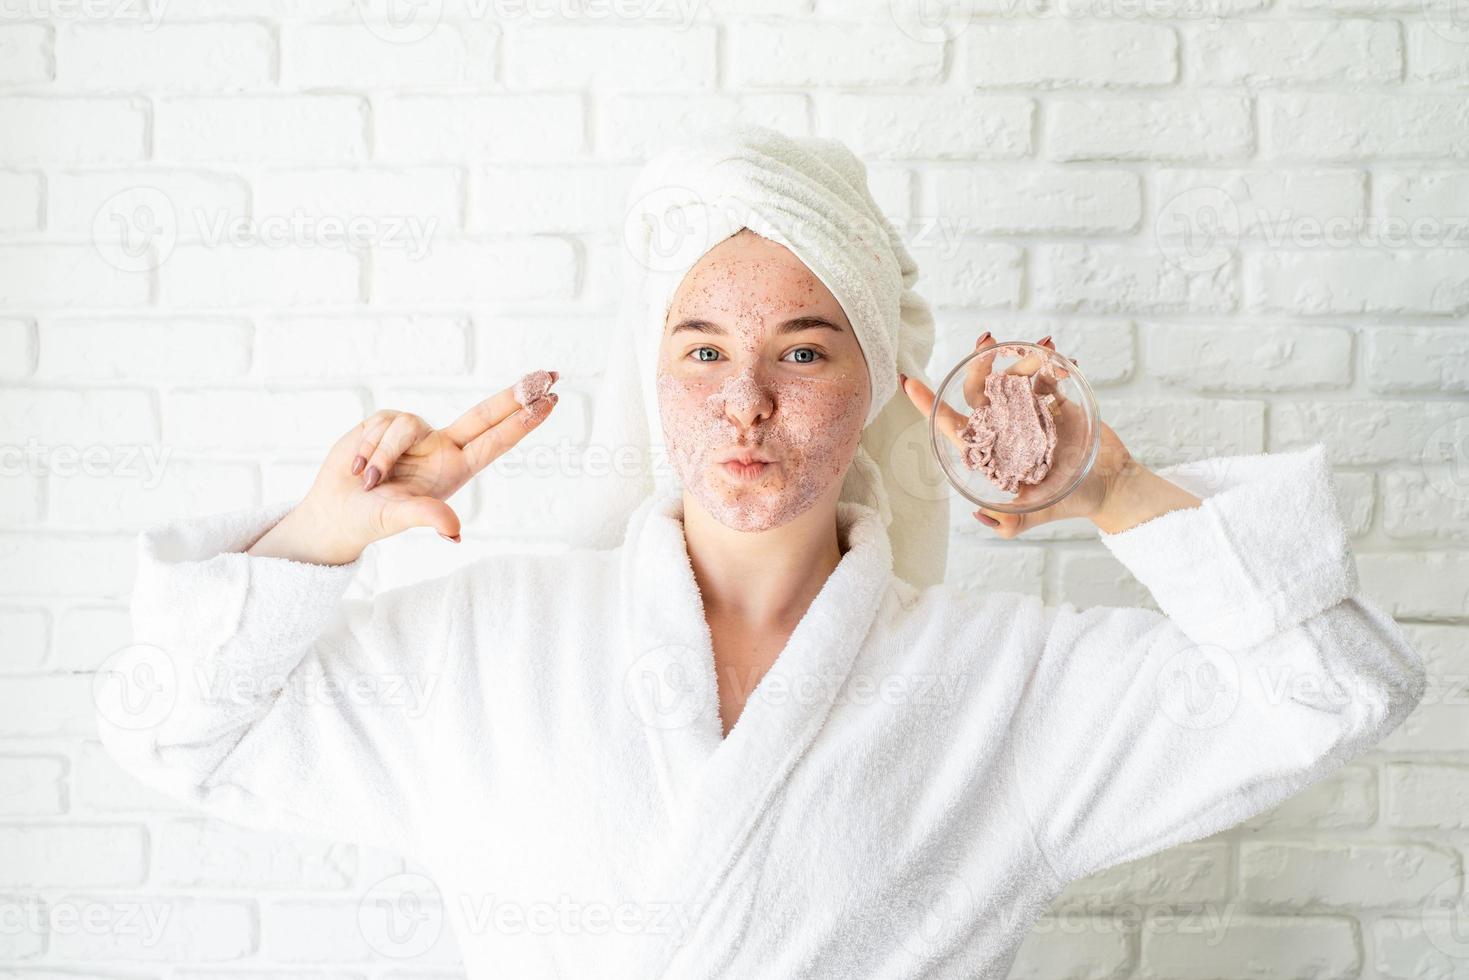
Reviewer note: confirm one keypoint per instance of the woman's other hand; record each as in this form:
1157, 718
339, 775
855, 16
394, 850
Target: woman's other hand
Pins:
394, 471
1113, 466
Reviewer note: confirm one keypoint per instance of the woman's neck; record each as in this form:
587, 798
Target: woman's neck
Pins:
765, 580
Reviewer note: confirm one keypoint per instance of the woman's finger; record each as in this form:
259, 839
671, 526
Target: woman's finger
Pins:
485, 415
402, 514
978, 370
402, 434
951, 423
484, 450
372, 428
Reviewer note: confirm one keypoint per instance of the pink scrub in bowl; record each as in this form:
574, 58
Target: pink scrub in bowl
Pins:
1026, 433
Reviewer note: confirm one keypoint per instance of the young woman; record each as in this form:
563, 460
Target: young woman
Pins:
740, 743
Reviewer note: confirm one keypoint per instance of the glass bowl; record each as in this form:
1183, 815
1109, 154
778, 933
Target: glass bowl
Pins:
1078, 426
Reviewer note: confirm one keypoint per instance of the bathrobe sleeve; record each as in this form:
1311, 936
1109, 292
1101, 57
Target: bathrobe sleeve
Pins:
257, 692
1266, 670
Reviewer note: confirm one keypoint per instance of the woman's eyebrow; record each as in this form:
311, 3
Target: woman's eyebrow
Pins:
795, 325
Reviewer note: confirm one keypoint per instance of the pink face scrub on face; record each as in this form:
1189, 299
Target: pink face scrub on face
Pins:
1012, 440
811, 428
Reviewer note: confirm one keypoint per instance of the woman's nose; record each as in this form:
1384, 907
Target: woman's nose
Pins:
747, 399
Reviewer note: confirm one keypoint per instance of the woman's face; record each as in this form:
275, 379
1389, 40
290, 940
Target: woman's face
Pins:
758, 359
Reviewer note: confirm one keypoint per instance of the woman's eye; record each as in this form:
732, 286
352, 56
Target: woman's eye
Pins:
701, 350
806, 350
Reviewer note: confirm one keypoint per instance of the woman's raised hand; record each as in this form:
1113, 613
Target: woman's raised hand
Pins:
1086, 500
394, 471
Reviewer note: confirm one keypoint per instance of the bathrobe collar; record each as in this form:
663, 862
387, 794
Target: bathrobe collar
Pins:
714, 787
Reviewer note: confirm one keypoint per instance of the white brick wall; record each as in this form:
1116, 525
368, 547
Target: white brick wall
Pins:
1249, 220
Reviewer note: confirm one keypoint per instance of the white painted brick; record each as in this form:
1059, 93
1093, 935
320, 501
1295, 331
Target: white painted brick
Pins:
459, 270
17, 347
88, 856
430, 196
1309, 51
979, 275
1102, 348
152, 488
1434, 57
26, 632
79, 417
1417, 585
1058, 53
32, 785
66, 276
72, 130
1437, 724
932, 126
833, 53
288, 10
1417, 504
1050, 201
1056, 944
213, 57
102, 786
92, 565
1337, 281
25, 54
187, 203
1190, 947
1202, 127
20, 199
212, 854
1429, 209
980, 567
1094, 578
1426, 796
1345, 799
1121, 279
252, 419
1257, 204
324, 129
87, 635
1349, 126
350, 55
24, 937
650, 58
431, 129
20, 498
116, 349
167, 929
355, 347
226, 275
510, 345
1193, 874
1354, 432
1160, 431
1415, 946
1343, 876
1258, 357
506, 200
636, 125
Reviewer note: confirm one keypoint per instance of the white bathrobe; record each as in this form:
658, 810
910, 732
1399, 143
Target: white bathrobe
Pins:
912, 784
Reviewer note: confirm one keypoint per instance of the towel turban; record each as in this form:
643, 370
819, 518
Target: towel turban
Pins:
811, 196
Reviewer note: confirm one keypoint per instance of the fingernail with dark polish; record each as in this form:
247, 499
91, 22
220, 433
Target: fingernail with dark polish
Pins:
986, 518
1042, 341
373, 475
357, 464
454, 539
902, 380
